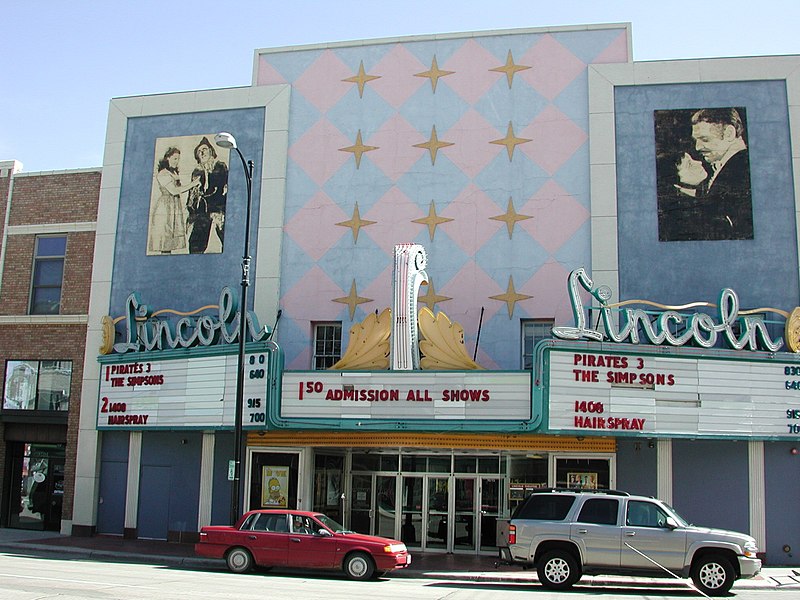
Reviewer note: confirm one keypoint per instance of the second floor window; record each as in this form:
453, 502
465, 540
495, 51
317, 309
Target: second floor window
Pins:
37, 385
327, 345
534, 331
48, 275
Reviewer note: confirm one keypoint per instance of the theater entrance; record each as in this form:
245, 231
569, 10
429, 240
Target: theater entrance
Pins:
430, 511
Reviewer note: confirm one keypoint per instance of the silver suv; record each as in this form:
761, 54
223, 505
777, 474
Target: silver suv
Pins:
566, 533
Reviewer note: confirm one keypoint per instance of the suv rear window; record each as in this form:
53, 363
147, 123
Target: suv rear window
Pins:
545, 507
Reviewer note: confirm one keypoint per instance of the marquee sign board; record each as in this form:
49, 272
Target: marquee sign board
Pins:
606, 389
182, 393
407, 396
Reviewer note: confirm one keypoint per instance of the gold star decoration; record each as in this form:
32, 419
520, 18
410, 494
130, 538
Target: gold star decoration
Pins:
510, 68
431, 297
358, 149
355, 223
511, 297
511, 141
432, 220
510, 218
433, 145
434, 73
352, 299
361, 79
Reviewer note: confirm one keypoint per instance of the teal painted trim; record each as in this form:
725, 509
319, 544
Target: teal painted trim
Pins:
183, 353
275, 421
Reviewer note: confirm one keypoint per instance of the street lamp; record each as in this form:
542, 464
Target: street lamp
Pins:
226, 140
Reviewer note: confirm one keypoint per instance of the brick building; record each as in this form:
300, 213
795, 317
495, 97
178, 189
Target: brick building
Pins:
47, 228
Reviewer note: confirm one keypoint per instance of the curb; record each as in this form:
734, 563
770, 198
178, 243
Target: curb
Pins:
588, 581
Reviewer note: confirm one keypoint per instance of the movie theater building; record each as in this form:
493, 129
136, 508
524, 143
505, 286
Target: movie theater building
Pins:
426, 211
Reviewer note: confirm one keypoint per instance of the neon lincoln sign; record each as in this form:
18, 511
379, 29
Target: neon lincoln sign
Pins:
145, 332
670, 327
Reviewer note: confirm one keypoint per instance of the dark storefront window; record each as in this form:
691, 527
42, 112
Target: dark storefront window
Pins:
37, 493
273, 482
37, 385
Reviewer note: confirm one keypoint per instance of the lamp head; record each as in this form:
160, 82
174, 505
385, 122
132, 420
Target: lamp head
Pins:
225, 140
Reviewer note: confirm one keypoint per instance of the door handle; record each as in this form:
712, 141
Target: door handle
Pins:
296, 540
630, 533
251, 537
582, 530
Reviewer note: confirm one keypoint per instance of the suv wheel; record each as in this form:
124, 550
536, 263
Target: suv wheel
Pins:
713, 575
558, 570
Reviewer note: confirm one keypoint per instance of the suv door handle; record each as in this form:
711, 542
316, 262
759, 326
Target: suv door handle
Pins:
582, 530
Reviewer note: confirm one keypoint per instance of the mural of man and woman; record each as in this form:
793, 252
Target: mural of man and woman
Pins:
703, 175
188, 217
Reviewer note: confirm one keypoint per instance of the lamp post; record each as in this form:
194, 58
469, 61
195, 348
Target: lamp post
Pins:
226, 140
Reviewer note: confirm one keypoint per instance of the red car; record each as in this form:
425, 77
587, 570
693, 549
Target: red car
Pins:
300, 539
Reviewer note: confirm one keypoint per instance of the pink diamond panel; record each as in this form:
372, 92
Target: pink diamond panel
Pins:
310, 299
396, 69
472, 152
554, 67
395, 140
393, 214
321, 83
470, 287
317, 151
556, 216
472, 225
555, 139
472, 77
313, 226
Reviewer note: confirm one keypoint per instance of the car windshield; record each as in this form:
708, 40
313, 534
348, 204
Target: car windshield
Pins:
331, 524
680, 520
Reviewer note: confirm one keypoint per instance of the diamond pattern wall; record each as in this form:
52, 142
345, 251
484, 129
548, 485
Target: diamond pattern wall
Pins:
474, 147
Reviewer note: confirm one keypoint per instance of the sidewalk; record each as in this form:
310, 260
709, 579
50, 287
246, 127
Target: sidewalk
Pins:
424, 565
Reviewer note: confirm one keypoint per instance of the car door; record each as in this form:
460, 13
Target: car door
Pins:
307, 548
268, 539
646, 539
595, 530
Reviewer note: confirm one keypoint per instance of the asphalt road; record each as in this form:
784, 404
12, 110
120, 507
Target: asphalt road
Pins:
31, 578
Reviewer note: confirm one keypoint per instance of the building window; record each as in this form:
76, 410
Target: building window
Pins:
37, 385
327, 345
534, 331
48, 275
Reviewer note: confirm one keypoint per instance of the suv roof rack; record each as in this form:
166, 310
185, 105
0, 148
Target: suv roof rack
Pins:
580, 491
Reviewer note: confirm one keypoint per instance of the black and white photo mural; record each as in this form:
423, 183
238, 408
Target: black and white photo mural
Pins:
703, 175
188, 196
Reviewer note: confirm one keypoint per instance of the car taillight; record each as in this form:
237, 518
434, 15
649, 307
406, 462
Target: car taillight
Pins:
512, 534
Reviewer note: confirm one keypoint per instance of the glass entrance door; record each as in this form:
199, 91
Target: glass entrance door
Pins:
361, 504
437, 533
490, 509
464, 516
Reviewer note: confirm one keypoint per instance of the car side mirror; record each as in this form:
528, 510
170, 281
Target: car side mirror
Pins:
671, 523
324, 533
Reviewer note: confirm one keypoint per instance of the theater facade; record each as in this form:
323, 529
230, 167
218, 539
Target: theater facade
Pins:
482, 264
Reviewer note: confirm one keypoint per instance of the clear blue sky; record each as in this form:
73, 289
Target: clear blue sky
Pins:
63, 61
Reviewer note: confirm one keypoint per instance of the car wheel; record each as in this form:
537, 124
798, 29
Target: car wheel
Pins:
558, 570
239, 560
359, 566
713, 575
